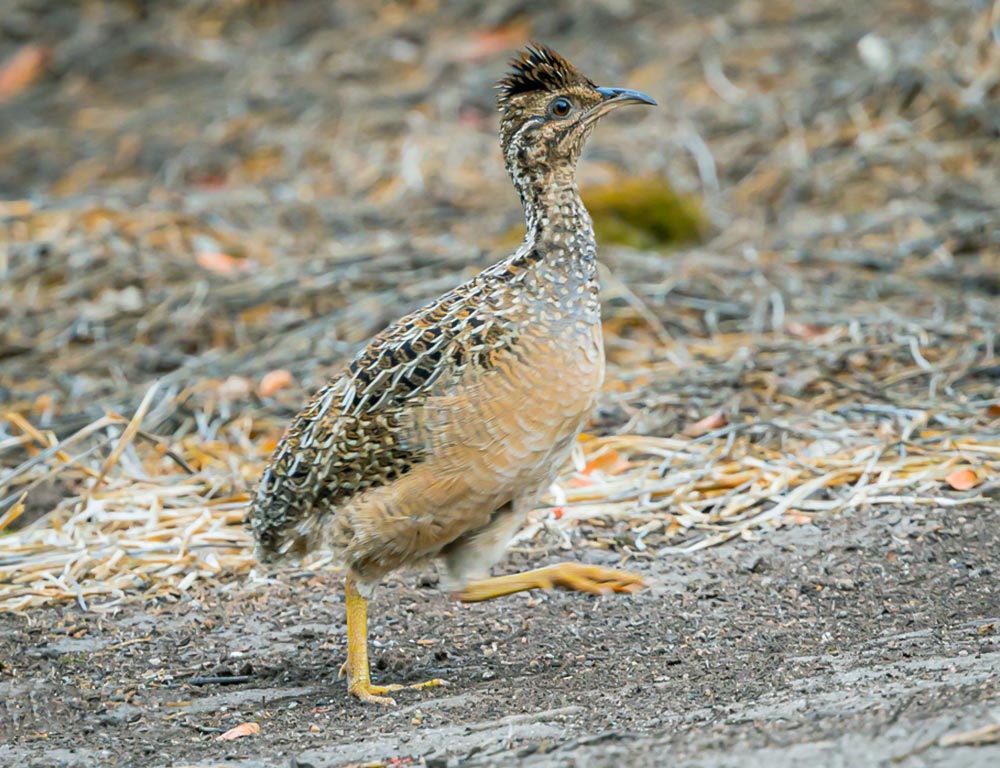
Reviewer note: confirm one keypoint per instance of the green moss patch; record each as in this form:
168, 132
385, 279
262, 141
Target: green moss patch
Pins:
644, 212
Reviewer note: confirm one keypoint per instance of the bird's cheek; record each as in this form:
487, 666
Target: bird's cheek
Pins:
570, 139
534, 154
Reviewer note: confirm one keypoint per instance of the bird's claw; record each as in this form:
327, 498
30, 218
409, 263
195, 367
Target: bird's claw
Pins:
371, 694
595, 579
574, 576
375, 694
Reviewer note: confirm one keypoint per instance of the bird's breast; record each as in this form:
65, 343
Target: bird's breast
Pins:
522, 409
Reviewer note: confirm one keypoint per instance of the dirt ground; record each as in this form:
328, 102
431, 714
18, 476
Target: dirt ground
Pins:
858, 642
342, 160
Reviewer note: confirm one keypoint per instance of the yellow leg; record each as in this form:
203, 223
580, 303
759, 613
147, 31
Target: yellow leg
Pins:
359, 682
574, 576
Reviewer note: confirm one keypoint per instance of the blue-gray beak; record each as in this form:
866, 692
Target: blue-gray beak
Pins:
625, 96
614, 98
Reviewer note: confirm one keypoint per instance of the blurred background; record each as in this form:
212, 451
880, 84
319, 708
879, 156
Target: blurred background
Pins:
228, 198
206, 208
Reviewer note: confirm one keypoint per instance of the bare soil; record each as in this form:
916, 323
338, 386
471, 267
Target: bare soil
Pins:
857, 642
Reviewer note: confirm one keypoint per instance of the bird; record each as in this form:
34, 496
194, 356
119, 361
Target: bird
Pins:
442, 434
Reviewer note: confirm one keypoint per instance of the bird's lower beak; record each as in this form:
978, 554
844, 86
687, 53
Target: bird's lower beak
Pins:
617, 97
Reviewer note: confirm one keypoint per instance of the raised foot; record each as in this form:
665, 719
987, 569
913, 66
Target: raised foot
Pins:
576, 576
594, 579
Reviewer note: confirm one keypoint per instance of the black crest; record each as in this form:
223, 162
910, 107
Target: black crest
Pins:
539, 68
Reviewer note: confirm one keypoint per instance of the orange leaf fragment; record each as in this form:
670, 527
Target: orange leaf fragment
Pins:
962, 479
804, 330
22, 69
42, 403
488, 42
993, 411
706, 425
558, 512
609, 462
221, 263
274, 381
241, 730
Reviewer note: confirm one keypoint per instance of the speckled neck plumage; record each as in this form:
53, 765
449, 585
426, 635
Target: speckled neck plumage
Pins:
559, 239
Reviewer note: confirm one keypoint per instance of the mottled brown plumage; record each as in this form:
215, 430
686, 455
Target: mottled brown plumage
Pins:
442, 433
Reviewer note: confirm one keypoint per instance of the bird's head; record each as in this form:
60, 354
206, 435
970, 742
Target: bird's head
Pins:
548, 109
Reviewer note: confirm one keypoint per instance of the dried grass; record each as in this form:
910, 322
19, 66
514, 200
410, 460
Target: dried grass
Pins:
154, 519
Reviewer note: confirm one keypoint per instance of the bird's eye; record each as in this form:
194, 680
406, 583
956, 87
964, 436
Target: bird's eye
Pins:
561, 107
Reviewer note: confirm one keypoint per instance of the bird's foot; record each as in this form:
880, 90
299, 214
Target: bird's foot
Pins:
575, 576
373, 694
365, 691
594, 579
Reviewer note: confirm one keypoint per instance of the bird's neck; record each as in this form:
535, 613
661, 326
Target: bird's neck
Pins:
559, 247
557, 224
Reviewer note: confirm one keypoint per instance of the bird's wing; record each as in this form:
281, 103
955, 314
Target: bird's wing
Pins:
359, 431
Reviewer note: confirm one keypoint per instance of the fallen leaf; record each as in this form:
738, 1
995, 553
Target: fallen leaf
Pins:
274, 381
804, 330
558, 512
610, 462
706, 425
211, 181
962, 479
221, 263
22, 69
241, 730
993, 411
489, 42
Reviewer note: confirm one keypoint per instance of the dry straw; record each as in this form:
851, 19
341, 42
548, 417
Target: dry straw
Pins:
152, 519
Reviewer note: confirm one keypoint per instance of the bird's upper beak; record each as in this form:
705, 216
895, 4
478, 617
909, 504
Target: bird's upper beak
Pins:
614, 98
